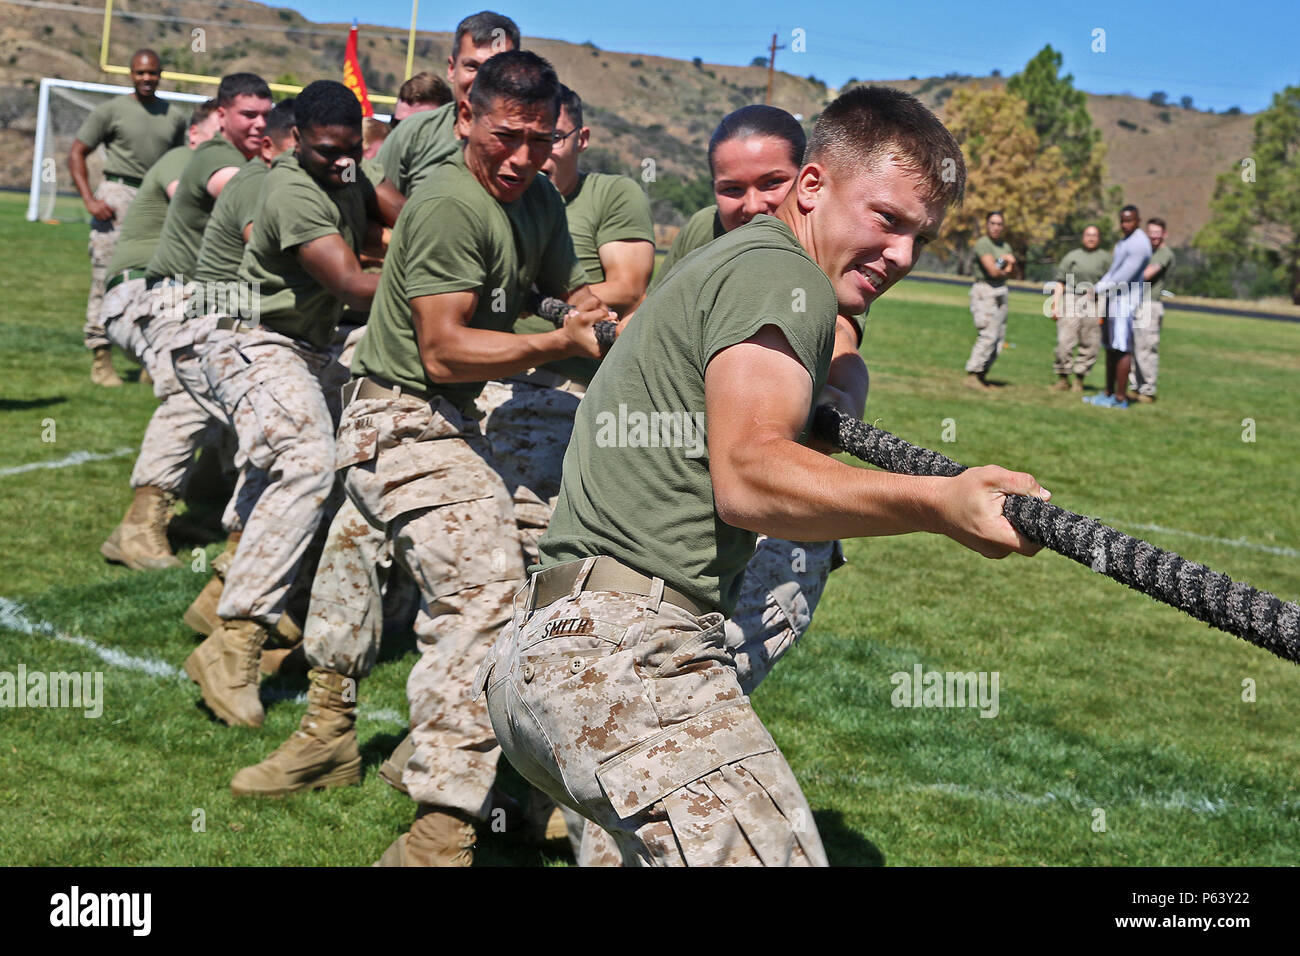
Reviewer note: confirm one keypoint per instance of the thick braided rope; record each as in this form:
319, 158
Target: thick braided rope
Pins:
556, 309
1239, 609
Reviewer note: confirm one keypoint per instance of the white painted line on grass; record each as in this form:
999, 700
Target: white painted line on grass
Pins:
13, 616
1232, 542
76, 458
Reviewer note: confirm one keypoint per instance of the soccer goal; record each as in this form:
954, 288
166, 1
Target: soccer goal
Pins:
60, 110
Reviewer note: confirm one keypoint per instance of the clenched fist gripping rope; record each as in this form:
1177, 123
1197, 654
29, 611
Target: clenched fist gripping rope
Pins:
1255, 616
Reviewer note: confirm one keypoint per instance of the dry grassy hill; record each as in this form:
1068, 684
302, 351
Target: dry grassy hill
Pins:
1165, 159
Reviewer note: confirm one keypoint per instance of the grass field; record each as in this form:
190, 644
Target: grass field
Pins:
1108, 701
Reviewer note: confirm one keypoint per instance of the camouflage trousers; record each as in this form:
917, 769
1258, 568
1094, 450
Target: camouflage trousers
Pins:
423, 475
527, 420
1080, 326
629, 711
273, 389
103, 240
988, 307
179, 426
1146, 346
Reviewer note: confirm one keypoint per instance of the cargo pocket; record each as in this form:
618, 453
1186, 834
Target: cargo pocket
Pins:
642, 776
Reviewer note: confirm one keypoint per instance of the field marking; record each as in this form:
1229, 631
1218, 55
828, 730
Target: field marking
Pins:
12, 616
1232, 542
1175, 800
76, 458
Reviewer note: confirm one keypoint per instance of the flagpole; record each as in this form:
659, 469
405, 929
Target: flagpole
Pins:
410, 42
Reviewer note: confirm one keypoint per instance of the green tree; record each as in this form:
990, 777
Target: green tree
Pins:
1256, 207
1059, 116
1008, 170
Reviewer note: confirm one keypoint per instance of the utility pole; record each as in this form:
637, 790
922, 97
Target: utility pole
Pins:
771, 68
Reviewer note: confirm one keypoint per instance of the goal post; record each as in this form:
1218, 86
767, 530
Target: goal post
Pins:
61, 107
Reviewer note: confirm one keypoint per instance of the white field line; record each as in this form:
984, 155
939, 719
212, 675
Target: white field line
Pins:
13, 617
1066, 797
76, 458
1231, 542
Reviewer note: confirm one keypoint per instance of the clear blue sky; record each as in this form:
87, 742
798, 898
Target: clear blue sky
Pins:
1220, 54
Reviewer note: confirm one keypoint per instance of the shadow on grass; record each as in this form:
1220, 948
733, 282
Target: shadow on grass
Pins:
18, 404
844, 847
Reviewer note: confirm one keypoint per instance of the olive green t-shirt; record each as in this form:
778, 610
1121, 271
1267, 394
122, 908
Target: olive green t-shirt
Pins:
134, 134
222, 247
372, 167
636, 474
294, 209
701, 229
1083, 265
144, 219
602, 208
986, 246
452, 236
418, 145
1164, 257
191, 205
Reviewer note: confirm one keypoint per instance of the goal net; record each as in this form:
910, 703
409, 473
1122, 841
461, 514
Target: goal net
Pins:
61, 108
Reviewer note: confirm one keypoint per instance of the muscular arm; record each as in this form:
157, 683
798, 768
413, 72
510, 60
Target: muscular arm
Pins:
846, 385
217, 181
330, 261
991, 267
1152, 271
77, 167
627, 264
389, 202
452, 352
757, 396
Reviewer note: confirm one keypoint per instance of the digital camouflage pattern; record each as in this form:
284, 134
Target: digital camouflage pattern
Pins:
103, 240
630, 711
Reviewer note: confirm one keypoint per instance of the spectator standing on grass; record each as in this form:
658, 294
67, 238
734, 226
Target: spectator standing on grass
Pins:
1074, 308
1122, 285
1151, 315
135, 130
994, 262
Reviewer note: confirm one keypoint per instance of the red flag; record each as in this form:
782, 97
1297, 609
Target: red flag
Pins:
352, 77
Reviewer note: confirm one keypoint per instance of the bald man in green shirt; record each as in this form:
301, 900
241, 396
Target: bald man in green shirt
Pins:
135, 130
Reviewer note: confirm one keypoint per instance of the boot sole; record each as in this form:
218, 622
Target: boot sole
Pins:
195, 670
117, 556
345, 776
392, 775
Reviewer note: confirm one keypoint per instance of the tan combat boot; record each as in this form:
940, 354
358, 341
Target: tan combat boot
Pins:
101, 368
140, 541
391, 770
202, 614
438, 837
976, 381
225, 668
1077, 385
321, 753
1062, 384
